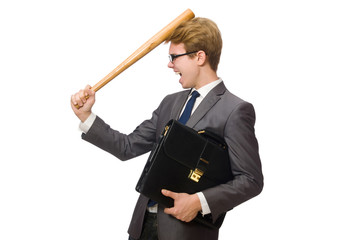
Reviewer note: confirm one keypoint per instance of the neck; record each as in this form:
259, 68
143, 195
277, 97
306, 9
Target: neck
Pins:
206, 78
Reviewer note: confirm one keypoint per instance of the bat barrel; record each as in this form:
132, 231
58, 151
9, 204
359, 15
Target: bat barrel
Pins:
147, 47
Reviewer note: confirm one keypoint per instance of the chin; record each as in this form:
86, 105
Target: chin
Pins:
185, 86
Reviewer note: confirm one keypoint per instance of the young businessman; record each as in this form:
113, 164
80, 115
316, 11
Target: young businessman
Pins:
195, 49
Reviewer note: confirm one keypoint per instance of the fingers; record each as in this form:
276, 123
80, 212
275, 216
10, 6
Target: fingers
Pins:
173, 195
88, 92
181, 210
169, 211
186, 206
184, 216
81, 97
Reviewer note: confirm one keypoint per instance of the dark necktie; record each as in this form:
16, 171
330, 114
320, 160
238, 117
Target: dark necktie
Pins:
188, 109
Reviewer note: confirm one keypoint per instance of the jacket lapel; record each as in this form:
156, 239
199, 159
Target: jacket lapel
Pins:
179, 103
209, 101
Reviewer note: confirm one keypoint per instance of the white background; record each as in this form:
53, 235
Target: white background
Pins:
298, 62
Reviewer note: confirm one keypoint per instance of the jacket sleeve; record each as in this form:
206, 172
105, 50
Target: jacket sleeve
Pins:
245, 163
123, 146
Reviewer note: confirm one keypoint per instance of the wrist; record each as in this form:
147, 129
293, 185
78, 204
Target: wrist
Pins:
88, 123
84, 116
197, 202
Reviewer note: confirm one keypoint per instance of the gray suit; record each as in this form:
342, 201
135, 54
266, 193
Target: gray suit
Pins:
220, 112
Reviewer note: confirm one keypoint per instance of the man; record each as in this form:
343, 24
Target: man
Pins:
195, 49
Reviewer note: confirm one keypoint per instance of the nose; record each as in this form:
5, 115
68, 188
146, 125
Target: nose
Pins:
170, 65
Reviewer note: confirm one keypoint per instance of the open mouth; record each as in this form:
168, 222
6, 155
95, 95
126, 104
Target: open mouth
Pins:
178, 73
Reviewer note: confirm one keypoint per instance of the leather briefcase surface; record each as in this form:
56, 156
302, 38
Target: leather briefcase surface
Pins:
185, 161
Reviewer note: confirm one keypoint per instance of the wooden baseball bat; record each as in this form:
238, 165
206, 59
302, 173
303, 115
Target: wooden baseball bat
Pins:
145, 48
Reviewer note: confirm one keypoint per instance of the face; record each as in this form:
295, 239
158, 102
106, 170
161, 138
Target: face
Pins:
184, 66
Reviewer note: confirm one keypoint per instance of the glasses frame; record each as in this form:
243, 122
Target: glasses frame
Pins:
172, 57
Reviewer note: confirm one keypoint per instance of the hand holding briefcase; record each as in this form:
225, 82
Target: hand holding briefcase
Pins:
185, 161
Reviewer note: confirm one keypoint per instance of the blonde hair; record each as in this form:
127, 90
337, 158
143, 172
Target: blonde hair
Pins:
199, 34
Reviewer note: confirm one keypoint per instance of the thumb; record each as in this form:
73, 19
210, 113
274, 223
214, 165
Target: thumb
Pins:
88, 92
168, 193
88, 88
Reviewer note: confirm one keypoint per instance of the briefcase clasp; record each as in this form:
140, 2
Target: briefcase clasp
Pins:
195, 175
166, 130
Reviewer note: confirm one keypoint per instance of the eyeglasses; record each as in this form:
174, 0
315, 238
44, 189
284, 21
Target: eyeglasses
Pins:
174, 56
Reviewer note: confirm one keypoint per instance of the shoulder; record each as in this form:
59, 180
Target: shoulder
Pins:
238, 108
235, 102
227, 97
175, 97
177, 94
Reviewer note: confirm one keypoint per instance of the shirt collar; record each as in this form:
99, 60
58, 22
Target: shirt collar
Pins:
207, 88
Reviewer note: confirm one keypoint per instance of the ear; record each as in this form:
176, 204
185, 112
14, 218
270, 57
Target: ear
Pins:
201, 57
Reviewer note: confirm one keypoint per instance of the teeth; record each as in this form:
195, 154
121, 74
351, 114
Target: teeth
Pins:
177, 73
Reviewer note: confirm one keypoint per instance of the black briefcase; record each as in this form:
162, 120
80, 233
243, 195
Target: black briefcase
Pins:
185, 161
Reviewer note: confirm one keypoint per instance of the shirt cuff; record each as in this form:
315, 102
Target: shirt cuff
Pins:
204, 206
87, 124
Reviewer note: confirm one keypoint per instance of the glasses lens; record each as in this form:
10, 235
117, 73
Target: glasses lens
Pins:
173, 56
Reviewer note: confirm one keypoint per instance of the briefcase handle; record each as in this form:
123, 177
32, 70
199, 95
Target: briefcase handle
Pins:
213, 137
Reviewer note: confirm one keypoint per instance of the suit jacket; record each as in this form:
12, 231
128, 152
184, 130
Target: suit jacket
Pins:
220, 112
